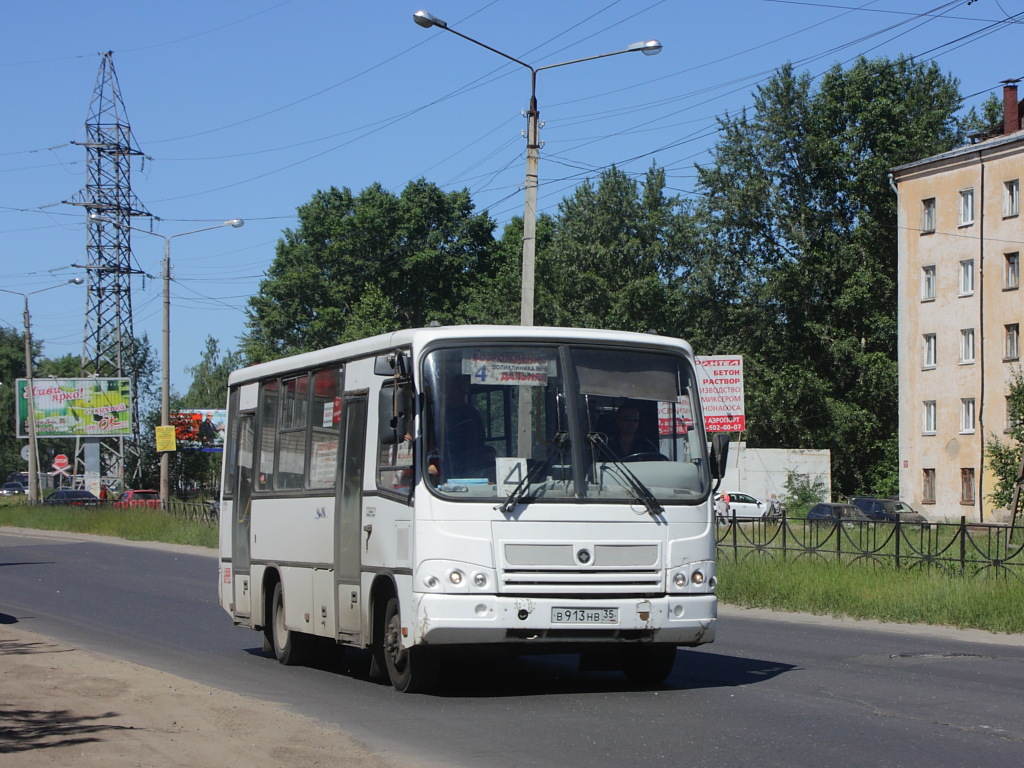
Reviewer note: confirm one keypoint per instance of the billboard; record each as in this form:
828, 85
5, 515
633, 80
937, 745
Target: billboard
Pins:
199, 429
75, 407
720, 381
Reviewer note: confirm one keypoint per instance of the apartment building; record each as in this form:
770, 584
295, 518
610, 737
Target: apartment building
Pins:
960, 309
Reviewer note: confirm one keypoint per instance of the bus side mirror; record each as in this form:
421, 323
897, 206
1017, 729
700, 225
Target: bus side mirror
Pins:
391, 364
392, 421
719, 454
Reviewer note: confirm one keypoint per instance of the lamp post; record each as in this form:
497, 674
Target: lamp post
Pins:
165, 367
33, 454
647, 47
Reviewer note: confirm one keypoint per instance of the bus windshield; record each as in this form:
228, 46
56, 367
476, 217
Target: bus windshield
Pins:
561, 422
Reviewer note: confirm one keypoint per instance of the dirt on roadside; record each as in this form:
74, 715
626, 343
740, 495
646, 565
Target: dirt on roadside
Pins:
62, 706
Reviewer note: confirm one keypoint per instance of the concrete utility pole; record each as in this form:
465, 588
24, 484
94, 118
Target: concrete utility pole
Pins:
647, 47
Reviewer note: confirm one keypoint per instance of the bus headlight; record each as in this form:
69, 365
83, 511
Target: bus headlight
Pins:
480, 579
697, 578
680, 579
430, 582
455, 577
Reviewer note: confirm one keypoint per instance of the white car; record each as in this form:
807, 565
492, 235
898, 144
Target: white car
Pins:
742, 505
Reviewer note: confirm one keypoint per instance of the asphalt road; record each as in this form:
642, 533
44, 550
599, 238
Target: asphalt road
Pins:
771, 691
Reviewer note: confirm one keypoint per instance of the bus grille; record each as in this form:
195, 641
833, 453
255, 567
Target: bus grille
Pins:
562, 569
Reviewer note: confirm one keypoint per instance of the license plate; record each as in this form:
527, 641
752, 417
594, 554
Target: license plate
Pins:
584, 615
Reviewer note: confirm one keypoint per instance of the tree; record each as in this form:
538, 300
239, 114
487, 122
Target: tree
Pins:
793, 257
610, 259
209, 387
12, 366
370, 263
1004, 458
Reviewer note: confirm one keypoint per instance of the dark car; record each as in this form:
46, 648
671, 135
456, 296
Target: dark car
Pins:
828, 513
13, 488
889, 510
72, 497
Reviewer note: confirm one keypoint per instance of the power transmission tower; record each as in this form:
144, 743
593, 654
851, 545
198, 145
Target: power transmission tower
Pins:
108, 345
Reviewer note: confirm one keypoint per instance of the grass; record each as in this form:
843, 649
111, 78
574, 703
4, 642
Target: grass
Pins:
989, 602
860, 591
136, 524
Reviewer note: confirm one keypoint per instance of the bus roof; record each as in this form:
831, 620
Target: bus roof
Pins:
418, 337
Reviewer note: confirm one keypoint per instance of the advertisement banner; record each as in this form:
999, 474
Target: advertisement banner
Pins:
720, 381
200, 430
75, 407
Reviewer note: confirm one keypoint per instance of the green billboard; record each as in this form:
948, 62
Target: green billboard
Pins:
76, 407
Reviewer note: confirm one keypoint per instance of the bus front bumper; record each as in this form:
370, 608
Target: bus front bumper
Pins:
470, 619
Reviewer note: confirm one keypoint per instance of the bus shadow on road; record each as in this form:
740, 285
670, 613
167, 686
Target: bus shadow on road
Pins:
497, 676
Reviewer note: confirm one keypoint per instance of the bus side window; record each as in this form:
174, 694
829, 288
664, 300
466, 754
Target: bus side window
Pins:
395, 451
324, 426
291, 450
268, 434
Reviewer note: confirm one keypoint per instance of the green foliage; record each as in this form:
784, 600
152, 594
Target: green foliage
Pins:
370, 263
209, 387
610, 258
803, 492
1004, 457
793, 255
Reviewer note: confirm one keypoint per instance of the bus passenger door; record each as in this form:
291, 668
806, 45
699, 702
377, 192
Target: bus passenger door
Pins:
347, 516
241, 516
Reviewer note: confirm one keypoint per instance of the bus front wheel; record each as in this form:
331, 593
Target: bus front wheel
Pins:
290, 647
410, 669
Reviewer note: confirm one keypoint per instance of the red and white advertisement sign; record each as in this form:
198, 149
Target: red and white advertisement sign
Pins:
720, 381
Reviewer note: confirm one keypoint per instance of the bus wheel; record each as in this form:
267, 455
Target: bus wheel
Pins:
290, 647
649, 664
410, 669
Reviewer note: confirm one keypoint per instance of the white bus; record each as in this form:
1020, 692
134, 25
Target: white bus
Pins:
466, 489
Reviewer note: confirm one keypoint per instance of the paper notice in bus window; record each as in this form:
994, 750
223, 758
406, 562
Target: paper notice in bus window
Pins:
328, 419
675, 418
322, 463
513, 370
509, 472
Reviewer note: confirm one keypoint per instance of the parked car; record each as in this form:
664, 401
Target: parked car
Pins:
134, 498
72, 497
889, 510
12, 489
828, 513
743, 505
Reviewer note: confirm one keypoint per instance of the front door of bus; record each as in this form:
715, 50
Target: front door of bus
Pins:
240, 555
347, 516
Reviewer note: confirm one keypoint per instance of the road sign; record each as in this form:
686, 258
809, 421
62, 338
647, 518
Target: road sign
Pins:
25, 452
60, 461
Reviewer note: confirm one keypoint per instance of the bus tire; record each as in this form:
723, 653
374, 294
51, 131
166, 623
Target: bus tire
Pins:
290, 647
410, 669
649, 664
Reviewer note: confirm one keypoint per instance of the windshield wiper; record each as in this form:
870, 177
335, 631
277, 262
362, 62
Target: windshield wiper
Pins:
643, 493
517, 493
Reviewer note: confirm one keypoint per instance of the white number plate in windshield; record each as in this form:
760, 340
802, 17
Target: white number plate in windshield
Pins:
584, 615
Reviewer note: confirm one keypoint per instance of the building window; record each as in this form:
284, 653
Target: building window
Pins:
929, 350
967, 485
928, 215
928, 283
967, 345
1011, 198
928, 486
967, 416
1011, 271
1012, 419
929, 417
965, 213
967, 277
1011, 350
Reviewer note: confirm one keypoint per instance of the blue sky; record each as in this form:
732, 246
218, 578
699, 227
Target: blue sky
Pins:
245, 109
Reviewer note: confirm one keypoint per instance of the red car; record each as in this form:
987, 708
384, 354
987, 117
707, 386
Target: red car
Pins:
138, 499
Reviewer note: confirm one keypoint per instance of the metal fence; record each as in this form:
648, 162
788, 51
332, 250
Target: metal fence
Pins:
966, 549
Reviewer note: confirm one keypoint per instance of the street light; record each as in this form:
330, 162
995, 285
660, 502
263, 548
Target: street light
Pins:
647, 47
33, 455
165, 368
